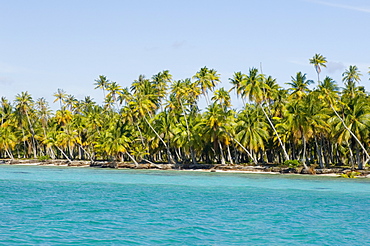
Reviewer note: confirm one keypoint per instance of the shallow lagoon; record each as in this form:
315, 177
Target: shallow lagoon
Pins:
61, 205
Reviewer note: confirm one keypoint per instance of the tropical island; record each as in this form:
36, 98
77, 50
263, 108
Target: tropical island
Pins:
157, 123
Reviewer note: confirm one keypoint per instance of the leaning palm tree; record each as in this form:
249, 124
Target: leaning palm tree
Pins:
186, 92
255, 90
318, 61
25, 107
251, 130
331, 98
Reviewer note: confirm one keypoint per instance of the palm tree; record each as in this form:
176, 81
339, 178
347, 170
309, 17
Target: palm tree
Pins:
331, 98
251, 130
102, 83
299, 85
186, 92
255, 89
8, 139
358, 120
318, 61
43, 113
60, 96
207, 80
273, 92
55, 138
216, 120
24, 107
6, 110
115, 141
350, 77
144, 103
223, 97
238, 80
299, 122
114, 90
71, 102
160, 83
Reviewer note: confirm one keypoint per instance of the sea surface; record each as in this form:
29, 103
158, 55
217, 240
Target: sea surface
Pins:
86, 206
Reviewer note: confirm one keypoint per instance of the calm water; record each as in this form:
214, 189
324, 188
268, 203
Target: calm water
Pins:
84, 206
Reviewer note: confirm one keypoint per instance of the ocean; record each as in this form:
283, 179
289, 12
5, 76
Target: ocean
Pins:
85, 206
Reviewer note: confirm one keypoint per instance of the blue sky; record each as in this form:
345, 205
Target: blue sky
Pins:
46, 45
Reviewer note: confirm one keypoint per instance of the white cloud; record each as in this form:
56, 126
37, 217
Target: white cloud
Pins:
333, 67
5, 81
178, 44
343, 6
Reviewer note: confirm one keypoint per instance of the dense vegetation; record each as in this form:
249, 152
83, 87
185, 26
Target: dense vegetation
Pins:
158, 120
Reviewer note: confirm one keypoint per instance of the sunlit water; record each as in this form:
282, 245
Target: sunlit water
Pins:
85, 206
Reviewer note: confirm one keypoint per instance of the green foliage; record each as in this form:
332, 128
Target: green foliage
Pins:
292, 163
350, 175
159, 119
44, 158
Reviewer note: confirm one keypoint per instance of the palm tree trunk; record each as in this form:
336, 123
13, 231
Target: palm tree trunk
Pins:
64, 154
351, 156
221, 152
170, 159
51, 151
249, 154
33, 136
229, 155
318, 150
277, 135
353, 135
9, 153
133, 159
304, 153
188, 135
87, 153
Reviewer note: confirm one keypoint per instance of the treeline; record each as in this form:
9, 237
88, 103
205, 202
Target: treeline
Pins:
158, 120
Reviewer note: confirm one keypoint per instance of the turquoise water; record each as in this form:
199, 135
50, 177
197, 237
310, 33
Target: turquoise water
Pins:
85, 206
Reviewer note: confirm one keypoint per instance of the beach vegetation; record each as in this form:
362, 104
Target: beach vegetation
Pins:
160, 120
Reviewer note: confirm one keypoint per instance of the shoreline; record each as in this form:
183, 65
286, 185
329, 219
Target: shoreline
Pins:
330, 172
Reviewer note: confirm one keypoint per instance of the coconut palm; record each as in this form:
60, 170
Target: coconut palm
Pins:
350, 77
186, 93
206, 79
6, 110
222, 96
102, 83
216, 118
255, 90
251, 129
332, 99
8, 139
238, 80
71, 102
299, 85
160, 83
114, 91
60, 96
318, 61
25, 109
